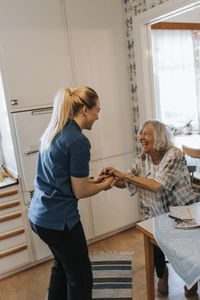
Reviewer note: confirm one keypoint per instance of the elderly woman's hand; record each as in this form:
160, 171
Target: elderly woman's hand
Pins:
110, 171
109, 182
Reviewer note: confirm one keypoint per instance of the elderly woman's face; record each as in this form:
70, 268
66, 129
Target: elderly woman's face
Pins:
147, 139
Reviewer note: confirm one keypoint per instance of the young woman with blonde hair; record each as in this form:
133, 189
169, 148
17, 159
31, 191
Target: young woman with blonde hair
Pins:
61, 179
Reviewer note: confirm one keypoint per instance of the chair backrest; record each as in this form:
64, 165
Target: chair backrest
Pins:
192, 152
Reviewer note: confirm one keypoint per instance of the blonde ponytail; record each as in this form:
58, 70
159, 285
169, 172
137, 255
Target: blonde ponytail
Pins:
67, 103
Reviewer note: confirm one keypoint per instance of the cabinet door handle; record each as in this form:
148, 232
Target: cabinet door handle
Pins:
9, 204
12, 251
14, 101
28, 153
11, 233
8, 193
9, 217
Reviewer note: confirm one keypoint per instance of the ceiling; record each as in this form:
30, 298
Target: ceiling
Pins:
190, 16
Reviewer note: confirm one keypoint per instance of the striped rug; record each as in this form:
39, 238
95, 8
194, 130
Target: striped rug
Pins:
112, 273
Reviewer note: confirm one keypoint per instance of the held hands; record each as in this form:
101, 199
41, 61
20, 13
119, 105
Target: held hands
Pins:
107, 181
109, 177
114, 173
110, 171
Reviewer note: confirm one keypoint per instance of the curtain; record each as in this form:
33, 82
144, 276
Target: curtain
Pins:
196, 45
175, 77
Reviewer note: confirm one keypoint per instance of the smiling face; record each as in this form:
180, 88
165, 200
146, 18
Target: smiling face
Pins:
147, 139
92, 114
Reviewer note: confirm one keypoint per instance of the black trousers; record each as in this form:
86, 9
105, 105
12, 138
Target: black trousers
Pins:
71, 275
159, 261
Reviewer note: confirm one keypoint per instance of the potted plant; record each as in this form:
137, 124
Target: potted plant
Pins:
173, 129
188, 127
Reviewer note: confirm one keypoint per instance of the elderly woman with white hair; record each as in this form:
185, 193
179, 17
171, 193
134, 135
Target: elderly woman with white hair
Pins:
160, 177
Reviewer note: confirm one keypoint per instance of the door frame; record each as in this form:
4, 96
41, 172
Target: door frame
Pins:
143, 51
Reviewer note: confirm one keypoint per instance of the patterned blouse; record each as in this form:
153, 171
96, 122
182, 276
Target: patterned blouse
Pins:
172, 173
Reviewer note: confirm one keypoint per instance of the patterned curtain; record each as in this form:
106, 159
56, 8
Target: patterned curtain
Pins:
133, 8
196, 43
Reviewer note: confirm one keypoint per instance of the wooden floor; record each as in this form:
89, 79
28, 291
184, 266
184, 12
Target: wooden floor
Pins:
32, 284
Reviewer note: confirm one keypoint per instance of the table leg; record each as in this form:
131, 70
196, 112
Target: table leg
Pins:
149, 263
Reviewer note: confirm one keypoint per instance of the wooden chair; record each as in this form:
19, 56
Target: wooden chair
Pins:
194, 153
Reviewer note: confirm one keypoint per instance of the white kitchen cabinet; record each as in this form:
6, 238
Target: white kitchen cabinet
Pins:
34, 57
100, 61
86, 217
14, 250
18, 258
113, 209
41, 250
40, 53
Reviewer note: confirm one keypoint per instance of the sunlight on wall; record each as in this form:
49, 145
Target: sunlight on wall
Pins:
7, 157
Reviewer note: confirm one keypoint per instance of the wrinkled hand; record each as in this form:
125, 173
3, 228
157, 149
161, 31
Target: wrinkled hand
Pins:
109, 182
110, 171
101, 177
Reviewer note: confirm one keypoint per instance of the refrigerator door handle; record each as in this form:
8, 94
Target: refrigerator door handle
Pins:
28, 153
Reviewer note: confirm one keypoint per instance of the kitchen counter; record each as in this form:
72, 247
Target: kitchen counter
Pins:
8, 180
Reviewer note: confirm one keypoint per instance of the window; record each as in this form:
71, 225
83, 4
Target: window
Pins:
176, 67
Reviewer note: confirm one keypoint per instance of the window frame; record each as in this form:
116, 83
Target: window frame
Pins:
143, 51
